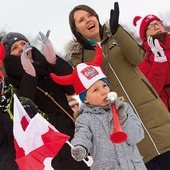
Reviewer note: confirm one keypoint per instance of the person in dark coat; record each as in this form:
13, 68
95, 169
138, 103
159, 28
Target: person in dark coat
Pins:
28, 70
7, 154
7, 150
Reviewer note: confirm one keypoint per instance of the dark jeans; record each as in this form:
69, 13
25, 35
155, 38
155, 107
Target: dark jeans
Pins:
161, 162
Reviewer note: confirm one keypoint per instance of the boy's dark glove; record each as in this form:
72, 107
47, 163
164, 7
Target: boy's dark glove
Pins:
114, 18
120, 106
79, 153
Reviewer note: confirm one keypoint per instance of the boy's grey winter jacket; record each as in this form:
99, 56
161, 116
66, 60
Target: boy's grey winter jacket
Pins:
93, 129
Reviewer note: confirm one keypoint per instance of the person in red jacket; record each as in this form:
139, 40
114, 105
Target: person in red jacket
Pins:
156, 41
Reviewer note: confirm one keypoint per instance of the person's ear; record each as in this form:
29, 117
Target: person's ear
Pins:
85, 100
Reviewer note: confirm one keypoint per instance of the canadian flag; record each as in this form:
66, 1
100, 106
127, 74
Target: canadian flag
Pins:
36, 140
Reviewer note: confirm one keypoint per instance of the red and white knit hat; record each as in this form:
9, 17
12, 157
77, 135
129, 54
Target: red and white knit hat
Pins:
141, 24
84, 74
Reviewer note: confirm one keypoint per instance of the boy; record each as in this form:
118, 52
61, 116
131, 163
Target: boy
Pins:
94, 124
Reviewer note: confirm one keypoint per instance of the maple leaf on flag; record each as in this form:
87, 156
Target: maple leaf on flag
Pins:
37, 142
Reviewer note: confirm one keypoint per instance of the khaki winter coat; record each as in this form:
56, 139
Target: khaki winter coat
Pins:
123, 56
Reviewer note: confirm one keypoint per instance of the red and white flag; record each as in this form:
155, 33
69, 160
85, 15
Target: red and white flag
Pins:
37, 142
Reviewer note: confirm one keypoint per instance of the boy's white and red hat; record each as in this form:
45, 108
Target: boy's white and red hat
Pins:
84, 74
142, 22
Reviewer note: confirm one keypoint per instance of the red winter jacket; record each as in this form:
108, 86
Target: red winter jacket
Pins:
158, 73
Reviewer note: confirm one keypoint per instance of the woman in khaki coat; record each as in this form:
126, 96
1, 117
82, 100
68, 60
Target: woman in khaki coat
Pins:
122, 55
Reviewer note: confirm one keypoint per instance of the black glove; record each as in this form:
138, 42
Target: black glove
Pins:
114, 18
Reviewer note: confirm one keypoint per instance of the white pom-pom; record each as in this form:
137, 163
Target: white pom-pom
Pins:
112, 96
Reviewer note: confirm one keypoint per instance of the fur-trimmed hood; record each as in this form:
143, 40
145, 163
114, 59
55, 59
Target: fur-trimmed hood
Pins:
73, 46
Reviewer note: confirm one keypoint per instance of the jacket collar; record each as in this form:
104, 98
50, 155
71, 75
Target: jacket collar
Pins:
74, 47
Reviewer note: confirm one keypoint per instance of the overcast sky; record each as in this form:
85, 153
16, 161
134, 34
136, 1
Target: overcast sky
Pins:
31, 16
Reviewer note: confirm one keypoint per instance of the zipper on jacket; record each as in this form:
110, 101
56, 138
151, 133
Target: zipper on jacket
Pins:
113, 45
